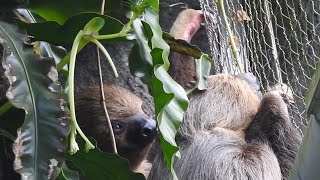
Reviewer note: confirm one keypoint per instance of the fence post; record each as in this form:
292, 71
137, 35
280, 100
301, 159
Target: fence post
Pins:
307, 163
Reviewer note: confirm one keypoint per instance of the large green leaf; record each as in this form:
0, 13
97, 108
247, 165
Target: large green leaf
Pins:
61, 10
99, 165
41, 141
170, 99
54, 33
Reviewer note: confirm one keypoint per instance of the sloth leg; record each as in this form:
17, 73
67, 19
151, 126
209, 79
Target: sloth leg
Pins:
272, 126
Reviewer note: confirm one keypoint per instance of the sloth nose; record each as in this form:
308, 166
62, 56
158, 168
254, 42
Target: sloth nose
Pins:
141, 130
149, 129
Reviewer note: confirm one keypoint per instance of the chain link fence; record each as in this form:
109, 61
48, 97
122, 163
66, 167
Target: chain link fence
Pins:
277, 40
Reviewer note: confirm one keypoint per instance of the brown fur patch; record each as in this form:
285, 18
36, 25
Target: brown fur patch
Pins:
123, 102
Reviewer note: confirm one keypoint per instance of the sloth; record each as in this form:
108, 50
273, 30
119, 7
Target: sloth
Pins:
134, 131
230, 131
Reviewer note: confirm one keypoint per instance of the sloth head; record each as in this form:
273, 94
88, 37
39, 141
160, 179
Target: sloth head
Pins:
134, 131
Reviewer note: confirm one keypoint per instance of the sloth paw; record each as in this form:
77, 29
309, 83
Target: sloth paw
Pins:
284, 90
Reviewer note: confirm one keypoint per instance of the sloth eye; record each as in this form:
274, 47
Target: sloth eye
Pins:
118, 127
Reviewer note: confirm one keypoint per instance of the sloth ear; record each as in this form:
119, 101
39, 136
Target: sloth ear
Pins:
252, 81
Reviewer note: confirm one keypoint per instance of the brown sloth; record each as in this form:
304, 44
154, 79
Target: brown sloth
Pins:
134, 131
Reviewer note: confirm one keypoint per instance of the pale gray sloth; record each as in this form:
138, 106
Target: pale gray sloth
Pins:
231, 132
134, 131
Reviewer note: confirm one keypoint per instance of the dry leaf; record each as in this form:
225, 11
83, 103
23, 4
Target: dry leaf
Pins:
242, 16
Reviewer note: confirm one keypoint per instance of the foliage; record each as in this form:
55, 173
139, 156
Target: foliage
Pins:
32, 88
35, 87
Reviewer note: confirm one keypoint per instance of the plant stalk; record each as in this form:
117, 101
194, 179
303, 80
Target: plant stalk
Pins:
72, 64
103, 100
232, 43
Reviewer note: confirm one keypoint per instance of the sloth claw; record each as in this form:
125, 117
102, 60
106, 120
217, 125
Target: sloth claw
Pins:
285, 91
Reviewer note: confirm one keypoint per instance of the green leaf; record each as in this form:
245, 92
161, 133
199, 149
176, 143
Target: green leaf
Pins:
67, 174
138, 6
170, 99
203, 66
203, 70
94, 25
182, 46
61, 10
43, 48
57, 34
140, 63
99, 165
40, 146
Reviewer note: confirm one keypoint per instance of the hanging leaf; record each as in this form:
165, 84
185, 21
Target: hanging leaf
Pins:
203, 70
182, 46
40, 146
170, 99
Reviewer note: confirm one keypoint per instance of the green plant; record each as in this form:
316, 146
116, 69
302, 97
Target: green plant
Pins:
34, 86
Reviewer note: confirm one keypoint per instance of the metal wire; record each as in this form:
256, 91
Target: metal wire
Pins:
277, 40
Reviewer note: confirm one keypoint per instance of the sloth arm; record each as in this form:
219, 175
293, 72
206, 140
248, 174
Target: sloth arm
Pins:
183, 68
272, 126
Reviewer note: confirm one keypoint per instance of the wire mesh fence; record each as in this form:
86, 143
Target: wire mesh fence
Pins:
277, 40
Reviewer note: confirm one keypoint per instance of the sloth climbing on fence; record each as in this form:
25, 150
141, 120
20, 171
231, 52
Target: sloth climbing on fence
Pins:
229, 131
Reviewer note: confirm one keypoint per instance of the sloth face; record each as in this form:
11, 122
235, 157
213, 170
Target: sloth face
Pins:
134, 136
134, 132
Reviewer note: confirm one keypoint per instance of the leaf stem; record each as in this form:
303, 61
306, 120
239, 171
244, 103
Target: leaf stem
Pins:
232, 43
105, 52
72, 64
123, 33
111, 36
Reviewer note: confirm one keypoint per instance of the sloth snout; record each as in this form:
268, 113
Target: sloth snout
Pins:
149, 129
141, 130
